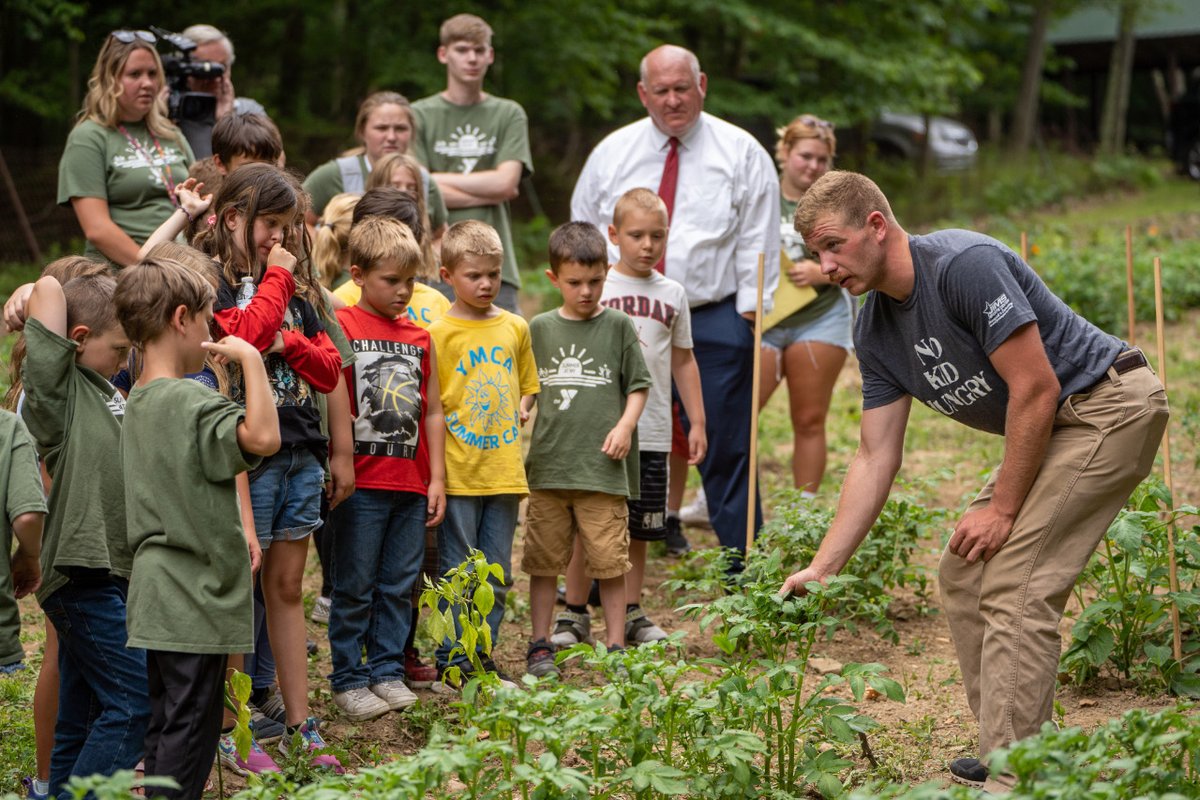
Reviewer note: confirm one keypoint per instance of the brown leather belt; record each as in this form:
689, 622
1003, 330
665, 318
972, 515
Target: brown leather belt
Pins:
1125, 362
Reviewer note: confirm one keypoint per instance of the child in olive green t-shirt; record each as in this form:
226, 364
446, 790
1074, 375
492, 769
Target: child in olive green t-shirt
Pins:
73, 344
190, 601
22, 511
583, 459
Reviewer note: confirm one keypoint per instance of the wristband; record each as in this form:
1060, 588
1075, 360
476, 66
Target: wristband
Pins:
190, 218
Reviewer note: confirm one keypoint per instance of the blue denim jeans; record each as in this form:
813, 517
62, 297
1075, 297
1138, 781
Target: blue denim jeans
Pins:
285, 493
260, 665
103, 702
376, 558
486, 523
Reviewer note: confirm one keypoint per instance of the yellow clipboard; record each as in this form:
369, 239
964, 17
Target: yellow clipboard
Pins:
789, 298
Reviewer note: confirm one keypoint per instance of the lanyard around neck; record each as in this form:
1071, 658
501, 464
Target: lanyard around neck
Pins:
164, 172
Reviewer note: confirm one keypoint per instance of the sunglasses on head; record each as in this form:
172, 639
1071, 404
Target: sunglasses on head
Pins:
128, 37
815, 122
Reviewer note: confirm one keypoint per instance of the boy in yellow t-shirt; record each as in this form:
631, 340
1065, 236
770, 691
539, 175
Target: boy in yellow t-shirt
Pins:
485, 366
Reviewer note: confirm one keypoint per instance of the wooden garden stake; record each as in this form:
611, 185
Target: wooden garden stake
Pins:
1025, 247
1172, 569
754, 396
1129, 279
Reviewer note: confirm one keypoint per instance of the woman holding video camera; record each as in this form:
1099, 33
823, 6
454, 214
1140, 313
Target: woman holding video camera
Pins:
124, 157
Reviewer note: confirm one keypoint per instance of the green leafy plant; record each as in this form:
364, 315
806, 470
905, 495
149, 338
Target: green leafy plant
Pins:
459, 604
1125, 622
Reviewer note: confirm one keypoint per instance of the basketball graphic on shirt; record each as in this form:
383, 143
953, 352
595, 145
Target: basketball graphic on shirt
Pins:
388, 394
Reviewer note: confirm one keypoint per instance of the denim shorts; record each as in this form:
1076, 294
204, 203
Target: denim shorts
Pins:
833, 327
285, 491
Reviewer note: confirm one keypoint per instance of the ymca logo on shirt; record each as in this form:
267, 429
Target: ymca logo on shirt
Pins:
997, 309
387, 386
468, 143
488, 416
572, 372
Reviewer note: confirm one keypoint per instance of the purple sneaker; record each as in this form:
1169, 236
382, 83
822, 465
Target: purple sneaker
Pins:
312, 739
257, 761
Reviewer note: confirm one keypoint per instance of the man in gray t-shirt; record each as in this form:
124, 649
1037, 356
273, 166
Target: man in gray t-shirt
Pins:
960, 322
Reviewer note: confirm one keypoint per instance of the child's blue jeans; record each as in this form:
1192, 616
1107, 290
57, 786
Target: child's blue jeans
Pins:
103, 703
486, 523
376, 559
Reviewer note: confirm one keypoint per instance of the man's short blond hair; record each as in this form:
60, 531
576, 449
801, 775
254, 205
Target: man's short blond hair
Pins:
639, 200
470, 237
848, 194
465, 28
148, 293
376, 240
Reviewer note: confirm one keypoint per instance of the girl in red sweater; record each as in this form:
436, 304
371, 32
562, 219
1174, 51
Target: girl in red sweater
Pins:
270, 298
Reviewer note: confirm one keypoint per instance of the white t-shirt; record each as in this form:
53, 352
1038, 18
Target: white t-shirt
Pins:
659, 309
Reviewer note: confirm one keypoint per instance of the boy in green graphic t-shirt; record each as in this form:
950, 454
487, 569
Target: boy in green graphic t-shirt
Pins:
583, 460
182, 447
476, 145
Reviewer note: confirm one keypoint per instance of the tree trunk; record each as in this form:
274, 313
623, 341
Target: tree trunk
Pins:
1025, 113
1116, 94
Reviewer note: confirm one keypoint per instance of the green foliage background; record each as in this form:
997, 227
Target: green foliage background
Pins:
571, 63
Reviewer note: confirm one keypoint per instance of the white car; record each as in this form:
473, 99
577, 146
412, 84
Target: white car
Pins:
952, 145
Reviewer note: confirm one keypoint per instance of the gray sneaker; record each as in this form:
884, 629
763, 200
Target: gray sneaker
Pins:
265, 729
539, 660
361, 704
968, 772
320, 612
273, 706
571, 629
640, 630
677, 544
395, 693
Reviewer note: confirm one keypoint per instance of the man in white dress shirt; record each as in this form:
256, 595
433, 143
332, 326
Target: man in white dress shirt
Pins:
723, 193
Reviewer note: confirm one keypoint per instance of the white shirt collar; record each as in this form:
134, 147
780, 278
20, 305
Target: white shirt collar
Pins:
661, 140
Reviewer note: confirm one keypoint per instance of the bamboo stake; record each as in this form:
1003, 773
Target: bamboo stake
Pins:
1025, 247
1172, 569
754, 397
1129, 279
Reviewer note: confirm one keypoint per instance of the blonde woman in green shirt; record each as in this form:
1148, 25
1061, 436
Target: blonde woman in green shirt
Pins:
124, 157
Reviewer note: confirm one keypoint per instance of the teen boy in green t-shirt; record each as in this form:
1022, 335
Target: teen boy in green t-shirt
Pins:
475, 144
190, 601
583, 460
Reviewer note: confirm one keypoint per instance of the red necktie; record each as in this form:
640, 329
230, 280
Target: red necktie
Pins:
666, 190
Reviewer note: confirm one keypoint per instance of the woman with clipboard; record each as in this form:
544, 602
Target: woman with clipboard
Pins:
808, 334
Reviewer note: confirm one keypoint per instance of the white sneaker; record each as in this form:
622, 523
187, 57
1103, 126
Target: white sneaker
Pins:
395, 694
695, 513
570, 629
320, 612
361, 704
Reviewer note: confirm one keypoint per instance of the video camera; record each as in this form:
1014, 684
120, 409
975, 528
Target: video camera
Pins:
194, 112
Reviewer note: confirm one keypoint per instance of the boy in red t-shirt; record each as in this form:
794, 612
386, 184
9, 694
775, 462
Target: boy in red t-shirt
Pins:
400, 474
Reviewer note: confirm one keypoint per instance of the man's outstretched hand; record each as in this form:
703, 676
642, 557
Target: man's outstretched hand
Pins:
795, 583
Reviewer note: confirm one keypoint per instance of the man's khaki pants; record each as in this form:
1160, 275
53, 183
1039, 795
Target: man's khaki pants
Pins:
1004, 614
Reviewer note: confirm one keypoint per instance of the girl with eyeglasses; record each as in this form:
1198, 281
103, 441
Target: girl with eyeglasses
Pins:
124, 157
